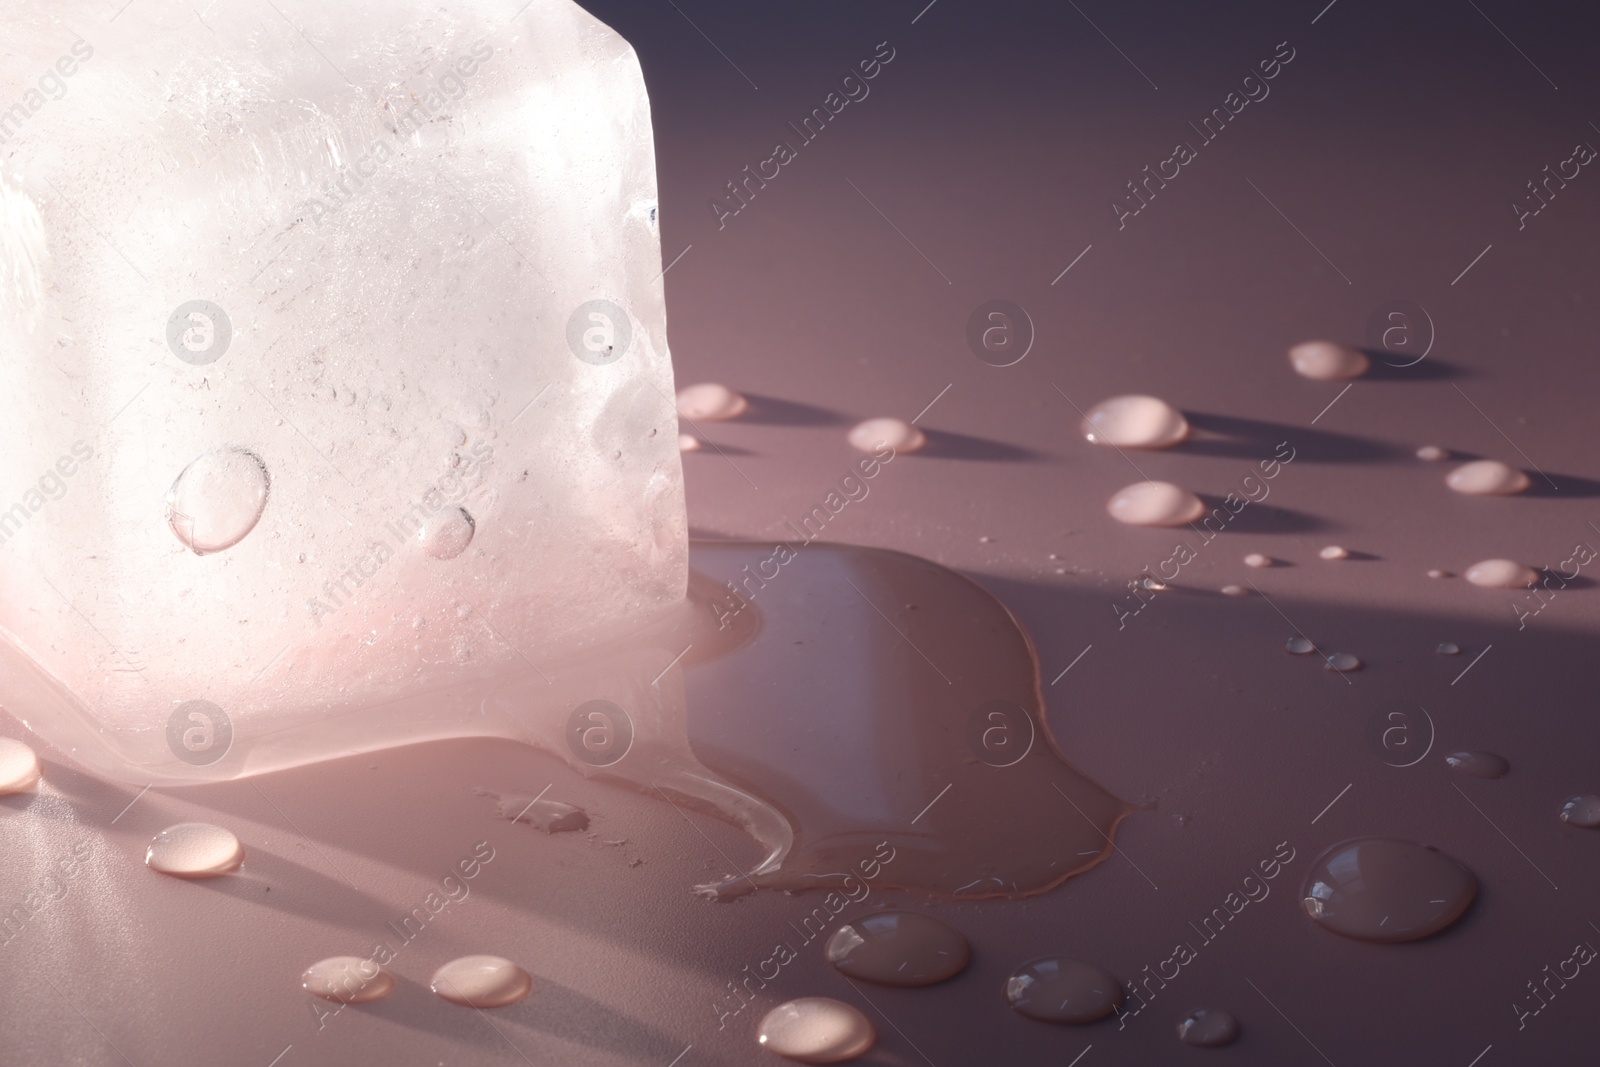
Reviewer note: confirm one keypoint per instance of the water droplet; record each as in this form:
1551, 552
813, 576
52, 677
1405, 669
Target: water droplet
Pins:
1437, 573
1433, 453
1335, 552
1448, 648
1299, 646
347, 979
710, 401
816, 1030
1062, 990
1256, 559
551, 816
194, 850
1487, 477
1478, 764
482, 982
1378, 889
688, 442
1582, 811
1501, 574
1343, 662
1208, 1028
1151, 582
1155, 504
1235, 590
1135, 422
1327, 361
218, 499
900, 948
898, 434
19, 766
447, 534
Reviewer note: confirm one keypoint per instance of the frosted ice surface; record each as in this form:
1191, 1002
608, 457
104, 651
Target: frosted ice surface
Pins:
335, 371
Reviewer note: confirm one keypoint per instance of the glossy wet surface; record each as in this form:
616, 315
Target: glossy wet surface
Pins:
814, 307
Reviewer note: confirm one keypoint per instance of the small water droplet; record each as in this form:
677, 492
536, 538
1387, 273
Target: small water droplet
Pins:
347, 979
1256, 559
1335, 552
301, 558
1478, 764
1208, 1028
1448, 648
19, 766
899, 948
1134, 421
1155, 504
1343, 662
1062, 990
1501, 574
447, 534
481, 982
1582, 811
816, 1030
1437, 573
1433, 453
217, 500
1235, 590
710, 401
1378, 889
1327, 361
688, 442
873, 434
1487, 477
194, 850
1298, 646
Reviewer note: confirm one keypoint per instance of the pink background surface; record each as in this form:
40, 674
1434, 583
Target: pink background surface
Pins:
993, 141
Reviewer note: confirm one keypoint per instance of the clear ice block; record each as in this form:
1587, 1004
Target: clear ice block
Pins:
335, 372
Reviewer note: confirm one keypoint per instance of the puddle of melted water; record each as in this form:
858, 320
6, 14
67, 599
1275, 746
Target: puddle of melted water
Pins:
885, 699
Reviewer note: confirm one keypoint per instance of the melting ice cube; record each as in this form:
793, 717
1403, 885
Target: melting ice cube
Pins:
336, 374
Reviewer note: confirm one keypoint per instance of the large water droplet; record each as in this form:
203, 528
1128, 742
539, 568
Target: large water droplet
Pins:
1335, 552
1258, 559
898, 434
1208, 1028
1582, 811
1299, 646
347, 979
710, 401
1448, 648
218, 499
1487, 477
19, 766
194, 850
1478, 764
1063, 990
900, 948
1155, 504
1501, 574
816, 1030
1135, 422
447, 534
1378, 889
1327, 361
1343, 662
482, 982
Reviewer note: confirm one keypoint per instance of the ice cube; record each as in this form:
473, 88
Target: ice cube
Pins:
335, 371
